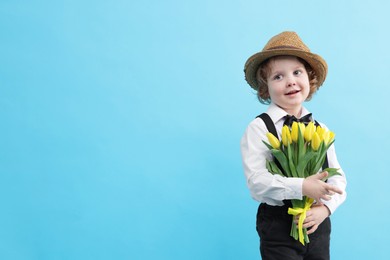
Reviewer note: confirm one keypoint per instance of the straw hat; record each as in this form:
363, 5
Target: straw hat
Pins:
285, 43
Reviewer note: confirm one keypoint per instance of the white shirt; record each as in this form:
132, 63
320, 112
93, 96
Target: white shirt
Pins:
273, 189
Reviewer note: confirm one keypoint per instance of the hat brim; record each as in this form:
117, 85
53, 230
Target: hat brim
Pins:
317, 63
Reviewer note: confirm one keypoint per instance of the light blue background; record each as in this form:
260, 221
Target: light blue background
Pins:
121, 122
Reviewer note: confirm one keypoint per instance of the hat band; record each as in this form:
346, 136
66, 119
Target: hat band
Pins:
284, 47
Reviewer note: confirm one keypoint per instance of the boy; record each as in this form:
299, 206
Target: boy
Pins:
285, 74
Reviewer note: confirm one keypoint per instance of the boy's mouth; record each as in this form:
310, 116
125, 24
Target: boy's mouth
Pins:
292, 92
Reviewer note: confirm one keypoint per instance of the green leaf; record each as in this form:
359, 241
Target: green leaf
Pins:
313, 168
320, 158
279, 155
293, 169
268, 145
269, 167
304, 163
273, 168
328, 145
331, 172
295, 153
301, 146
291, 165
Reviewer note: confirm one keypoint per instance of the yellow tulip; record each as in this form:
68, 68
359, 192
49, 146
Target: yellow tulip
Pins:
286, 135
328, 137
315, 141
320, 131
310, 130
325, 137
294, 132
275, 143
331, 136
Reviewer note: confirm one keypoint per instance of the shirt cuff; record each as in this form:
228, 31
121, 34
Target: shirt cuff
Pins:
330, 205
293, 188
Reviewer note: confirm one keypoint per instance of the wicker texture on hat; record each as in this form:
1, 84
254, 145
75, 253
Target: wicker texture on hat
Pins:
285, 43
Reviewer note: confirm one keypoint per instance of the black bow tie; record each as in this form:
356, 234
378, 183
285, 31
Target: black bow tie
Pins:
290, 119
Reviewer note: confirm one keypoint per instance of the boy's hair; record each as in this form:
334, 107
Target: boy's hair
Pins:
264, 70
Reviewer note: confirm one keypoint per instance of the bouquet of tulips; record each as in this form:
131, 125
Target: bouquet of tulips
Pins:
301, 153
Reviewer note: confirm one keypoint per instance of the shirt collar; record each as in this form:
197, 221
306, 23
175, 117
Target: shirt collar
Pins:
276, 113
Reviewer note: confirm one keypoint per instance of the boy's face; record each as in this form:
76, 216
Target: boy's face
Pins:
288, 83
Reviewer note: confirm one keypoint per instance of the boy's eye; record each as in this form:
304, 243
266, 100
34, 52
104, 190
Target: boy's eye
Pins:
277, 77
297, 72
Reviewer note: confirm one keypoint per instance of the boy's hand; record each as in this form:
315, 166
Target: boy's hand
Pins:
314, 217
314, 187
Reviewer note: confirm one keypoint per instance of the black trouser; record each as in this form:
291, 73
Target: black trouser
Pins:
273, 226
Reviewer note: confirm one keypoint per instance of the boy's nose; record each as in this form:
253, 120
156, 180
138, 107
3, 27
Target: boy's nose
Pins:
291, 83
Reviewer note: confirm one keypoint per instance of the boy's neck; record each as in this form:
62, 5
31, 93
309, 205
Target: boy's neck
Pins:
297, 112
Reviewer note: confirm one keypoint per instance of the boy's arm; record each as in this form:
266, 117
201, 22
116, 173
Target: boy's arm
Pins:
263, 185
314, 187
314, 217
338, 180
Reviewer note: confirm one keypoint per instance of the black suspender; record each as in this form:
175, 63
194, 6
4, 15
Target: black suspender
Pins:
271, 128
269, 124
